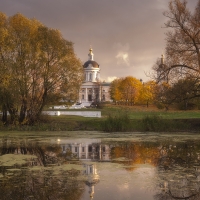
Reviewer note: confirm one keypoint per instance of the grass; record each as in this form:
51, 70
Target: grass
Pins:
139, 112
119, 118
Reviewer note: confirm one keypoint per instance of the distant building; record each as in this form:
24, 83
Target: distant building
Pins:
162, 75
92, 88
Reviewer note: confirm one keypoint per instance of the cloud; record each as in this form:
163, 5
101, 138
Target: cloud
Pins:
111, 78
122, 55
126, 37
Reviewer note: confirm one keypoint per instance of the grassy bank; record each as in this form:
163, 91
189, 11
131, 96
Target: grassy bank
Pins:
117, 118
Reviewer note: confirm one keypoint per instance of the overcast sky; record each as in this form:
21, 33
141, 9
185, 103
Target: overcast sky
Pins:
126, 35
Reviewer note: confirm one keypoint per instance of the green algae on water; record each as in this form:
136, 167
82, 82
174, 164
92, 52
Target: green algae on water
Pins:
15, 159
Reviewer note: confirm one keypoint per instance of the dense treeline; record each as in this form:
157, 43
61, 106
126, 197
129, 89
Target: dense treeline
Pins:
37, 66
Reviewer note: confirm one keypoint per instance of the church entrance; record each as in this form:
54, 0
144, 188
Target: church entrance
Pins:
89, 97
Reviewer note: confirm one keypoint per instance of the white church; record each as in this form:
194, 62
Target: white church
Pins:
92, 88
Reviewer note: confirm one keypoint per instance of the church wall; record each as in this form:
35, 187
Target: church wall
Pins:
92, 90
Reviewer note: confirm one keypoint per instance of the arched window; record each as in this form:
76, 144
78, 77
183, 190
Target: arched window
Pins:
90, 76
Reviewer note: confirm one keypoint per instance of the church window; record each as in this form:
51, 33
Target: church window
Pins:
90, 149
90, 76
89, 97
83, 149
76, 149
83, 96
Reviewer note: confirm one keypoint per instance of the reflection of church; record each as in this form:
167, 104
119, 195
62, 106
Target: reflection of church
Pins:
86, 149
93, 177
92, 88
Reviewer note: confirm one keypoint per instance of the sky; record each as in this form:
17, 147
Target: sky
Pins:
127, 36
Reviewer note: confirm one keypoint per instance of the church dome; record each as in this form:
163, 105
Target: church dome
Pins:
91, 62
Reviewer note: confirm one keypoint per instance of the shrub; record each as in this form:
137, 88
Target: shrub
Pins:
186, 106
152, 123
118, 123
159, 105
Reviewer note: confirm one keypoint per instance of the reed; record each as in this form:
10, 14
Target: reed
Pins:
120, 122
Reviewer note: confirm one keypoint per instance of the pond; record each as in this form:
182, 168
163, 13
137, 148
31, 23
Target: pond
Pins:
94, 165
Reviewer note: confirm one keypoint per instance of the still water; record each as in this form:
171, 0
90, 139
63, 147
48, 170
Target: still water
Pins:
99, 166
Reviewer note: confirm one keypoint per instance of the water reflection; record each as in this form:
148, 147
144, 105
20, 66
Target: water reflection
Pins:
81, 169
85, 149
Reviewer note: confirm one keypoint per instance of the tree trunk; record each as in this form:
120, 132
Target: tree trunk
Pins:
4, 114
23, 109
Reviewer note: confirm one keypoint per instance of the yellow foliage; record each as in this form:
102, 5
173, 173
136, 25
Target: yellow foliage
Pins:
36, 63
147, 92
130, 91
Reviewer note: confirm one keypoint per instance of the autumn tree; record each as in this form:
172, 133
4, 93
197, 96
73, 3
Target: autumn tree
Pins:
147, 93
130, 88
115, 93
126, 90
182, 60
183, 40
7, 87
40, 66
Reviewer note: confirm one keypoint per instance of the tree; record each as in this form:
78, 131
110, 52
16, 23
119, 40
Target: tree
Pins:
41, 65
182, 49
130, 88
115, 93
125, 90
183, 41
147, 92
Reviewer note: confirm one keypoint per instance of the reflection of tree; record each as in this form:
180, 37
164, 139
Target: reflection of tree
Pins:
137, 153
178, 171
45, 154
45, 182
39, 185
177, 165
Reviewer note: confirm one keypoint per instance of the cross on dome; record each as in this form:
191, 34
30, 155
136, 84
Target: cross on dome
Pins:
91, 55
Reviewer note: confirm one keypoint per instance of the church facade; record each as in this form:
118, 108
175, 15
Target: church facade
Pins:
93, 90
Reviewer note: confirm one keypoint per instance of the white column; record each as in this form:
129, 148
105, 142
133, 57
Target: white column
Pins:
86, 151
86, 95
79, 151
92, 94
100, 91
87, 75
93, 76
80, 95
100, 152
